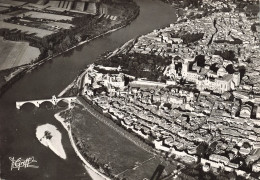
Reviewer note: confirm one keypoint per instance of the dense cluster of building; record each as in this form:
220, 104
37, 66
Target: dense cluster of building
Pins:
204, 78
206, 98
227, 41
178, 120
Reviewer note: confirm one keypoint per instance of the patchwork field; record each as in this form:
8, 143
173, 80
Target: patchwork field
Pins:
54, 3
39, 31
61, 25
41, 2
11, 3
41, 15
3, 8
16, 53
16, 13
83, 6
4, 4
30, 30
4, 16
80, 6
92, 8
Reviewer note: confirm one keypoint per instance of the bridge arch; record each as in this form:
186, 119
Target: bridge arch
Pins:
53, 101
63, 103
35, 103
19, 105
45, 104
68, 101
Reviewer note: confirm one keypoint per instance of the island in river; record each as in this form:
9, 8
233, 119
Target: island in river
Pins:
50, 137
188, 92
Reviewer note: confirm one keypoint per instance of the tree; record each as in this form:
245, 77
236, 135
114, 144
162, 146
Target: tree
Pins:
246, 145
47, 135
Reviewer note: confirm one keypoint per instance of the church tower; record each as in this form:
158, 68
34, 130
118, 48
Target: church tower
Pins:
185, 68
236, 78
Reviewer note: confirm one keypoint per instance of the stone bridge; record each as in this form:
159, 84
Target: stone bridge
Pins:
53, 100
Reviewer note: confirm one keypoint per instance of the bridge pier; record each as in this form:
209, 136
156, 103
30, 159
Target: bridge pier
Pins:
69, 104
18, 106
37, 104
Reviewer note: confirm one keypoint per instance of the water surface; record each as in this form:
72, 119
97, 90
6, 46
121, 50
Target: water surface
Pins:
17, 127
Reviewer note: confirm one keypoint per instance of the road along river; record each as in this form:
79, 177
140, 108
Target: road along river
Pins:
18, 127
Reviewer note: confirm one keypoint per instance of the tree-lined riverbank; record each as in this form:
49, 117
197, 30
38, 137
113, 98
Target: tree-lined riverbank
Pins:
47, 45
51, 79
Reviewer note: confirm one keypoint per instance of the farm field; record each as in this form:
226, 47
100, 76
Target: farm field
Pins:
3, 8
16, 13
92, 8
11, 3
41, 2
31, 6
4, 5
3, 16
54, 3
61, 25
41, 15
38, 32
80, 6
73, 6
16, 53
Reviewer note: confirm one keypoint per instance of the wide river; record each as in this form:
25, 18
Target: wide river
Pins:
17, 127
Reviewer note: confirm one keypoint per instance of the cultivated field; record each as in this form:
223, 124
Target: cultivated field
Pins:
54, 3
3, 16
4, 5
61, 25
80, 6
47, 16
12, 3
38, 32
73, 6
92, 8
60, 4
3, 8
16, 13
31, 6
41, 2
16, 53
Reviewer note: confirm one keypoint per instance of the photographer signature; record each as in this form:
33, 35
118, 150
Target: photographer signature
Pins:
22, 163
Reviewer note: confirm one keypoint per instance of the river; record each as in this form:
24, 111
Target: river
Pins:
17, 127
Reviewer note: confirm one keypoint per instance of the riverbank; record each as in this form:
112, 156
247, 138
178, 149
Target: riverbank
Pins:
123, 108
33, 66
113, 149
51, 79
74, 84
5, 84
95, 174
